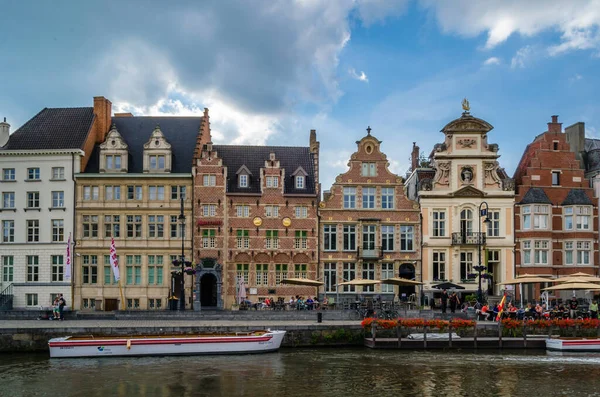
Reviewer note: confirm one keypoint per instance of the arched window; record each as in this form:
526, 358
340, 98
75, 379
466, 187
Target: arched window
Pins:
466, 222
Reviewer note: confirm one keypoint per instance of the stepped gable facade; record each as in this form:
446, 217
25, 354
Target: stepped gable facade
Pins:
255, 219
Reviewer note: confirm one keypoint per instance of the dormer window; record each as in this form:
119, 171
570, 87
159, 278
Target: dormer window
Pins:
369, 169
300, 182
113, 162
299, 178
157, 153
113, 152
157, 162
243, 180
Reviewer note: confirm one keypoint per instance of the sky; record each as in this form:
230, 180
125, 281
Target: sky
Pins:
271, 70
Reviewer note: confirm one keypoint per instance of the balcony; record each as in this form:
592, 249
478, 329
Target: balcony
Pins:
468, 238
372, 253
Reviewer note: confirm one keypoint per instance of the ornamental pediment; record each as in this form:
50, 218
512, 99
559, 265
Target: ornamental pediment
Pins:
467, 123
468, 191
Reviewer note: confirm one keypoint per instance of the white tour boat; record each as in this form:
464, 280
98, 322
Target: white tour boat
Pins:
159, 345
573, 344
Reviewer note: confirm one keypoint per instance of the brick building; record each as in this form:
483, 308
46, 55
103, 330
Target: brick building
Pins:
463, 176
556, 214
255, 216
369, 229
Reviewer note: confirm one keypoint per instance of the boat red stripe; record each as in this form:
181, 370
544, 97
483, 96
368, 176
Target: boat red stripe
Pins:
172, 341
582, 342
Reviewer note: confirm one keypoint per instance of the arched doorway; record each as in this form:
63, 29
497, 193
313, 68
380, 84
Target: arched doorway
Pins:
208, 290
407, 270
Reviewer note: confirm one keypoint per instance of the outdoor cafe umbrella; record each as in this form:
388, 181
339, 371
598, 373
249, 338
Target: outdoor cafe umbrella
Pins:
361, 281
526, 279
400, 281
448, 285
574, 286
303, 281
581, 279
580, 274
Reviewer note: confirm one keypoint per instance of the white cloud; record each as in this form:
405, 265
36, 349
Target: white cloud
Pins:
521, 57
492, 61
577, 21
362, 76
371, 11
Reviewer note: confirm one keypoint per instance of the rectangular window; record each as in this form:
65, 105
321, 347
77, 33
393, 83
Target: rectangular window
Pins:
272, 181
368, 237
157, 161
58, 173
299, 182
494, 225
407, 236
58, 230
568, 215
242, 211
33, 268
33, 174
8, 231
369, 169
8, 268
526, 252
526, 211
208, 238
541, 252
349, 274
555, 178
156, 226
32, 299
113, 162
262, 274
349, 237
272, 211
301, 241
112, 193
368, 274
90, 226
301, 212
349, 197
466, 265
540, 216
209, 180
57, 268
175, 227
387, 271
387, 198
134, 192
108, 274
243, 180
89, 269
58, 199
281, 271
583, 217
387, 237
8, 200
568, 248
33, 199
209, 210
439, 266
300, 271
112, 226
368, 197
330, 237
272, 239
330, 273
134, 226
33, 231
243, 239
91, 192
177, 192
243, 270
8, 174
439, 223
583, 253
156, 192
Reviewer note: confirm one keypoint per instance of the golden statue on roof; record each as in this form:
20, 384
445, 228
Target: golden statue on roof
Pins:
465, 105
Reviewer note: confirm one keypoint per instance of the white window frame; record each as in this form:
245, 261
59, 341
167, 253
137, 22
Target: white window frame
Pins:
209, 180
349, 197
438, 223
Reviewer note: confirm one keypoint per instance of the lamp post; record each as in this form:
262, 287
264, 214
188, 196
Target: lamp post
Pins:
182, 260
480, 241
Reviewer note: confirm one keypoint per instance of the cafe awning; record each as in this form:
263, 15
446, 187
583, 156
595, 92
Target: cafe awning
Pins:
302, 281
400, 281
361, 281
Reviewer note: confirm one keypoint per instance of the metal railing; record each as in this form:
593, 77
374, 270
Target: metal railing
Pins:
6, 298
370, 253
468, 238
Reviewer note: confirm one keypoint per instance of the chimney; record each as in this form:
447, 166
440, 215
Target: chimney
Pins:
555, 126
414, 157
4, 133
103, 111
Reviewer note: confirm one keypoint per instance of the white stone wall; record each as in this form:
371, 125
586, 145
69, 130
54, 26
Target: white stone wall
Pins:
45, 248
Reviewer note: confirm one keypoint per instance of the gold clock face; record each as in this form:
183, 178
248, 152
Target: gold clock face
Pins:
257, 221
322, 204
286, 222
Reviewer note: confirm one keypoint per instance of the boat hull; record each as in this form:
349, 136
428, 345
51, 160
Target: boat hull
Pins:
573, 344
163, 346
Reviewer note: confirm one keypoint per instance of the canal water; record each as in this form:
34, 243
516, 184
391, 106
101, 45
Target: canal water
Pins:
307, 372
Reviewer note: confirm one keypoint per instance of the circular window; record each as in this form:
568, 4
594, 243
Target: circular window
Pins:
156, 142
113, 142
368, 149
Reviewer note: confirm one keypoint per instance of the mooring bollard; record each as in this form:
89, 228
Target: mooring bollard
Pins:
319, 317
399, 334
450, 335
475, 336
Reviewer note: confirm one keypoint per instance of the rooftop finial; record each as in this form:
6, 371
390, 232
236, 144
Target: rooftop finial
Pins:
369, 130
465, 105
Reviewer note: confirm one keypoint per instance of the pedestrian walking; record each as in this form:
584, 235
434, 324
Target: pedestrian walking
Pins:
454, 302
444, 300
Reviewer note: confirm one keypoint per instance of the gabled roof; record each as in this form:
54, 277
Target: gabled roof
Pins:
180, 132
535, 195
577, 197
53, 128
254, 157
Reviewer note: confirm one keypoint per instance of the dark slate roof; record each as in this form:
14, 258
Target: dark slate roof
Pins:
254, 157
577, 197
535, 195
53, 128
180, 132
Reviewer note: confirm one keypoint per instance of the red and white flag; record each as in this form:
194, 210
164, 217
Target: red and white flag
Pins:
68, 261
114, 260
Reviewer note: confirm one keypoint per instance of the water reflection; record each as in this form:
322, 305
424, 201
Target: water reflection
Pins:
304, 372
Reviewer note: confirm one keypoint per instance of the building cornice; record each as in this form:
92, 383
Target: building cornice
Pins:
38, 152
135, 176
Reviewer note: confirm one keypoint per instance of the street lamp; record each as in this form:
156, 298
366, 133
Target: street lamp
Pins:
480, 241
182, 260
